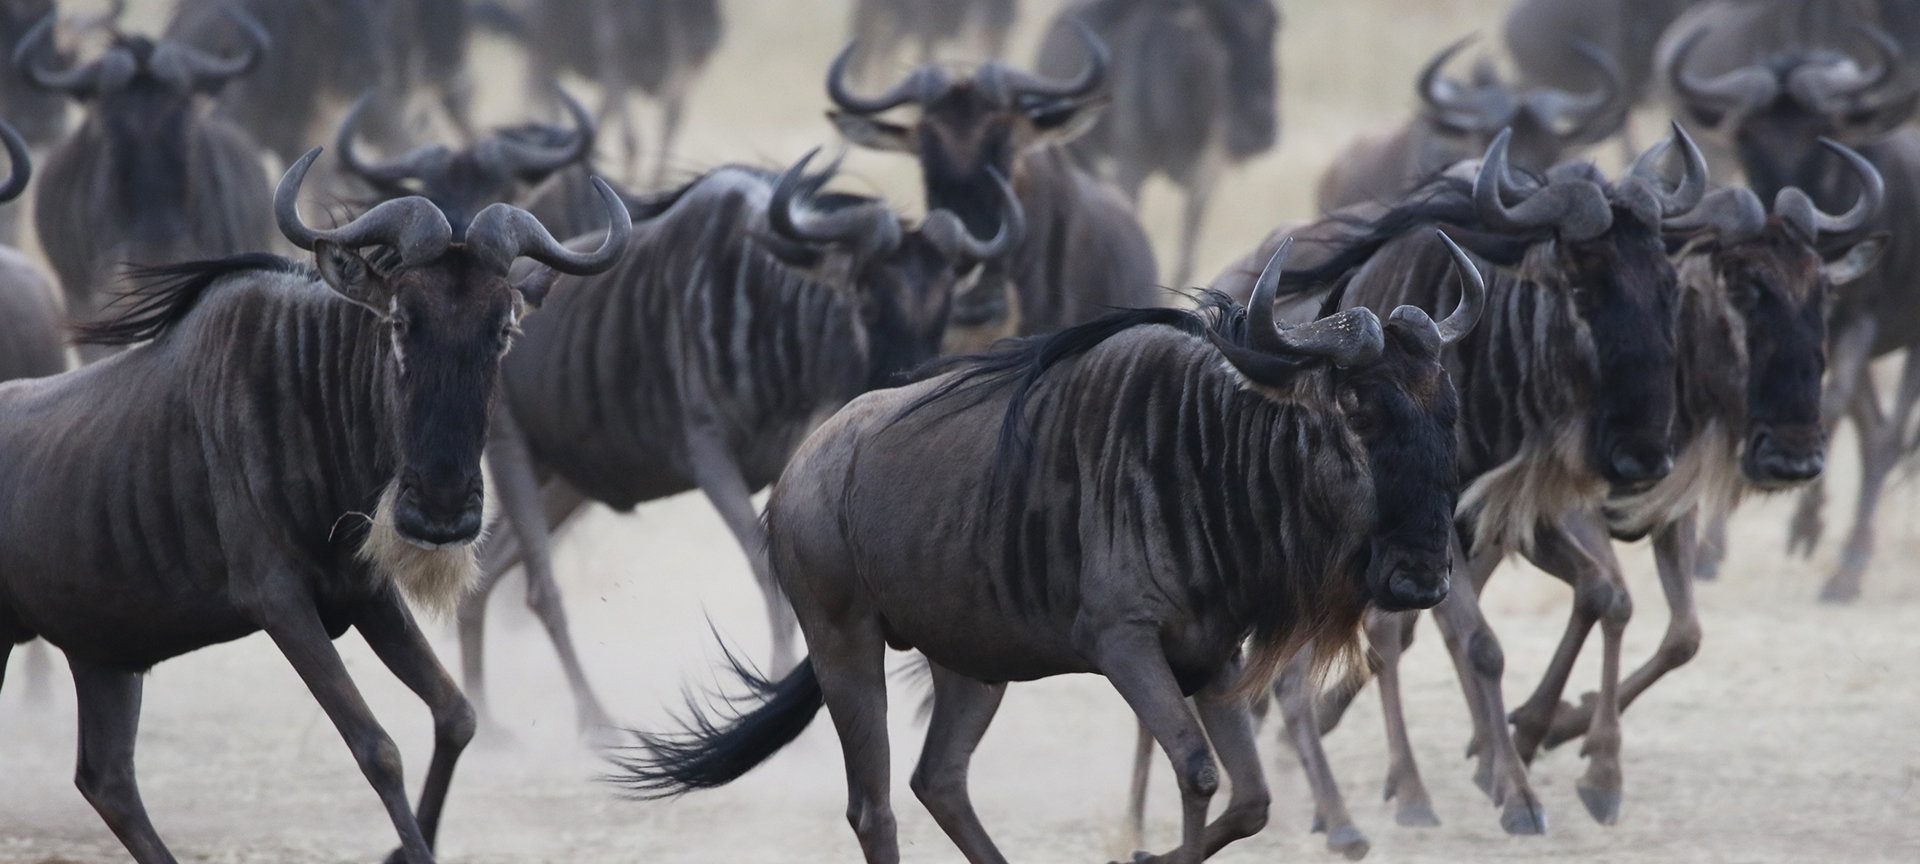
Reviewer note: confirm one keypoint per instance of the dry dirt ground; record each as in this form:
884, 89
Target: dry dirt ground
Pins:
1790, 738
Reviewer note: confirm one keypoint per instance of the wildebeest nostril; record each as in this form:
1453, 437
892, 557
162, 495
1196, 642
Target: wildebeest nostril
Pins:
1639, 464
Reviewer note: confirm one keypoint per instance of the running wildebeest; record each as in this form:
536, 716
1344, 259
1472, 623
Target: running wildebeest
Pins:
464, 182
213, 482
1750, 342
1768, 106
1084, 253
657, 46
881, 27
1458, 119
328, 52
1139, 496
1193, 89
147, 178
750, 307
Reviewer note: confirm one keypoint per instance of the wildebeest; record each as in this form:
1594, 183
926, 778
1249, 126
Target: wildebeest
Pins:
1458, 119
1193, 88
750, 307
1138, 496
328, 52
464, 182
880, 27
1084, 253
1537, 33
214, 482
1766, 81
658, 46
147, 178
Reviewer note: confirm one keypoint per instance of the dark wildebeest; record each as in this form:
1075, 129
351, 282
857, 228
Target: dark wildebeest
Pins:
464, 182
1750, 339
1538, 32
213, 482
1140, 497
1766, 95
658, 46
1458, 119
881, 27
1193, 89
1567, 394
147, 179
40, 117
1084, 253
750, 308
328, 52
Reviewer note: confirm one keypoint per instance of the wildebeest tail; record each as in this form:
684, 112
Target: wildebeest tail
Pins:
712, 751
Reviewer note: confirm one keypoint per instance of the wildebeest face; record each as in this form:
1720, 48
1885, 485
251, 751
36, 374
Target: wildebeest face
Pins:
905, 301
1624, 288
1403, 407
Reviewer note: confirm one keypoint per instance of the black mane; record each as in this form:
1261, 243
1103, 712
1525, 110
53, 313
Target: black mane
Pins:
166, 293
1442, 199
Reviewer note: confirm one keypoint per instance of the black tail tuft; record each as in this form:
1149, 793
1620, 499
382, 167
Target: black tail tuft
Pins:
710, 752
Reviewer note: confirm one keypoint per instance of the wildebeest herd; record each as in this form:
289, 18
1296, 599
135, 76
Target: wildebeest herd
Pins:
991, 435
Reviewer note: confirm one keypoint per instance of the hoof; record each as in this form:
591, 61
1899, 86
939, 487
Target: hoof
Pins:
1603, 804
1348, 841
1139, 858
1416, 814
1524, 815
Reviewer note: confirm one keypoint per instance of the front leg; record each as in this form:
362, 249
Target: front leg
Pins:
392, 634
1300, 725
719, 476
1129, 654
1229, 725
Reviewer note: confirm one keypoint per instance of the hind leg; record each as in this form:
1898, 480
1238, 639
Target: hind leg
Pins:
109, 722
1478, 660
962, 708
392, 634
850, 660
1137, 793
1881, 439
1294, 692
720, 478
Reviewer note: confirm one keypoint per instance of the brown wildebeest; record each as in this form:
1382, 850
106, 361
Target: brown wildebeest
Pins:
1084, 253
1139, 496
147, 179
1193, 89
1765, 82
214, 481
1458, 119
881, 27
750, 307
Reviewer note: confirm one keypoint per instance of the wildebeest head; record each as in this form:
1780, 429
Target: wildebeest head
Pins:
1396, 397
1544, 121
1769, 269
906, 279
450, 310
138, 68
1607, 257
969, 127
462, 183
1772, 112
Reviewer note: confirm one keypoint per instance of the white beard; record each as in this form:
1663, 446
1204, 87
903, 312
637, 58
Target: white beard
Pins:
432, 579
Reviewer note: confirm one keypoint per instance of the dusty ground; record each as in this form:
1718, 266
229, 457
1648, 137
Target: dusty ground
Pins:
1790, 738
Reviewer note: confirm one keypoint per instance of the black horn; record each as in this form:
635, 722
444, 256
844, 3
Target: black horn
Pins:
188, 67
1738, 91
1011, 84
1794, 206
412, 225
77, 81
1437, 93
409, 165
1578, 209
531, 160
871, 227
1693, 181
20, 168
1473, 295
950, 233
922, 84
1346, 338
503, 232
1592, 115
1733, 212
1825, 86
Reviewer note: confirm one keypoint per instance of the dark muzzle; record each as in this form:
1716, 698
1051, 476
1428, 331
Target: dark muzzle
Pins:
1776, 458
439, 514
1402, 578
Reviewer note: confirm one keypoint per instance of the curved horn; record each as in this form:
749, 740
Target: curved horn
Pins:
77, 80
1794, 205
1739, 90
1733, 212
412, 225
1589, 111
201, 70
1819, 87
914, 88
21, 169
1430, 80
1015, 83
947, 229
531, 159
1693, 182
1346, 338
503, 232
871, 228
385, 172
1578, 209
1473, 294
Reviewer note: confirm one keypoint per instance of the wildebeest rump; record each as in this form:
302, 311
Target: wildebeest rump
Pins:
1193, 87
1458, 119
215, 481
1765, 81
750, 307
1137, 496
1084, 253
147, 178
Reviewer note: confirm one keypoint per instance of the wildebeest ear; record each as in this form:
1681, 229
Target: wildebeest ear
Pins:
1857, 260
872, 134
1064, 121
349, 275
533, 285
